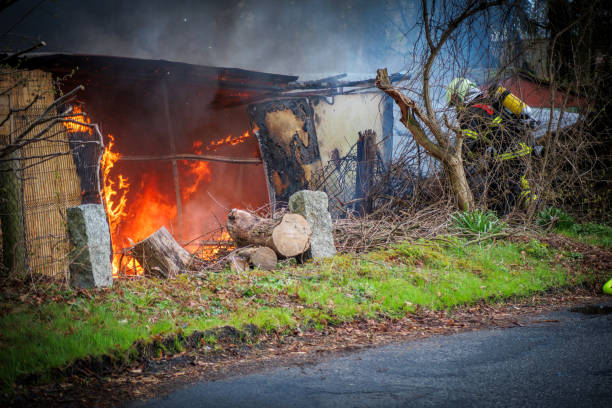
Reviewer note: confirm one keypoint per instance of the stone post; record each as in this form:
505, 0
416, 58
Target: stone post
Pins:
91, 246
313, 205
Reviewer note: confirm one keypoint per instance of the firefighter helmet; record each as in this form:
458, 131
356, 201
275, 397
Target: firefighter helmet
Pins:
462, 88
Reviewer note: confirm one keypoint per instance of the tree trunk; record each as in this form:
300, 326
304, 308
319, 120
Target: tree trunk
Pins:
448, 156
289, 236
456, 176
260, 257
160, 255
11, 216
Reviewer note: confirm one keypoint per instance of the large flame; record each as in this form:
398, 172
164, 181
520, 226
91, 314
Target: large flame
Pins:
114, 197
150, 208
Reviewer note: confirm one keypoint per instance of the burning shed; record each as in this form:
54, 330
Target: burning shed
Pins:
185, 143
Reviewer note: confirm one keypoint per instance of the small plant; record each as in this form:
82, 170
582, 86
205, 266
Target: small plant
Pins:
477, 223
536, 249
555, 218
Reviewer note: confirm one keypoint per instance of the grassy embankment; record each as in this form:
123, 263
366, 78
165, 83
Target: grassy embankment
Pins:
51, 329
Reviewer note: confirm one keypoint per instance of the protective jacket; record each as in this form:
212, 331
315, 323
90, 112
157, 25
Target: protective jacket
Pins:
495, 140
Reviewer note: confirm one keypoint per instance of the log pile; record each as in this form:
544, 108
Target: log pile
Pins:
260, 243
287, 237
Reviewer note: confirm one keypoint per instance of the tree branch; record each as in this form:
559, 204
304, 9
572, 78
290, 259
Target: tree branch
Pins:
43, 118
408, 108
426, 25
468, 12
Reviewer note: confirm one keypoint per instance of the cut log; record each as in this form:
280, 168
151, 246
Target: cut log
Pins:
292, 236
260, 257
288, 236
160, 255
237, 263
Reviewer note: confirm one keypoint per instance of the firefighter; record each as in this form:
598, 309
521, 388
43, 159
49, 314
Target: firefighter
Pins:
496, 126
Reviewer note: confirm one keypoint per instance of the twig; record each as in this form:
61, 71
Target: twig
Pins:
492, 236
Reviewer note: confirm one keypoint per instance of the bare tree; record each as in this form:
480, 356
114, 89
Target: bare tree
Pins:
438, 52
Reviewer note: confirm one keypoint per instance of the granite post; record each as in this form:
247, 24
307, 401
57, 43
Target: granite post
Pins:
313, 205
89, 235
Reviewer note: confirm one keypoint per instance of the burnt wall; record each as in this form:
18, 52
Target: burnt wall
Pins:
288, 143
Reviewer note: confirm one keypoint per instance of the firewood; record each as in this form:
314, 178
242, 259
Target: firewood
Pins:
288, 236
264, 258
237, 263
160, 255
261, 257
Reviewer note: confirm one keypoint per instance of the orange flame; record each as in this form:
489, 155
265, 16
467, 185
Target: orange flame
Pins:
114, 197
206, 251
79, 117
149, 207
199, 170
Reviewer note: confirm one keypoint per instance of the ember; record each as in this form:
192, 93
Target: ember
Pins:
229, 140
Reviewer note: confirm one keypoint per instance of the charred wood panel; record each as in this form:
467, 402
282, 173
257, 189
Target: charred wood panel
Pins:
288, 143
366, 163
86, 155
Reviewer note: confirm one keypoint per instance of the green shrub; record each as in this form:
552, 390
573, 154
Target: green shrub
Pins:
555, 217
477, 223
590, 228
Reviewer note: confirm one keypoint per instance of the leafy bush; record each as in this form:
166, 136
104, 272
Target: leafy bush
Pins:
590, 228
477, 223
555, 217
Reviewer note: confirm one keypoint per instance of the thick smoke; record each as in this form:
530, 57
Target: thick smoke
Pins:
289, 37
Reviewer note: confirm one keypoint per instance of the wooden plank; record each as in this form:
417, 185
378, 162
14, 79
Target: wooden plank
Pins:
175, 175
190, 156
288, 143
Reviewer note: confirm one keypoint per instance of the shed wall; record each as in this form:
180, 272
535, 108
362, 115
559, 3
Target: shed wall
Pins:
338, 123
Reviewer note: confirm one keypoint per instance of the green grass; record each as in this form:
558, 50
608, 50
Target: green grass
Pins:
40, 334
590, 233
563, 223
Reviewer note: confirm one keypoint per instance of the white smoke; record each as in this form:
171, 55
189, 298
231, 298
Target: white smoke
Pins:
286, 37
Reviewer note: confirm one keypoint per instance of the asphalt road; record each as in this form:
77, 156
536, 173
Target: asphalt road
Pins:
563, 359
